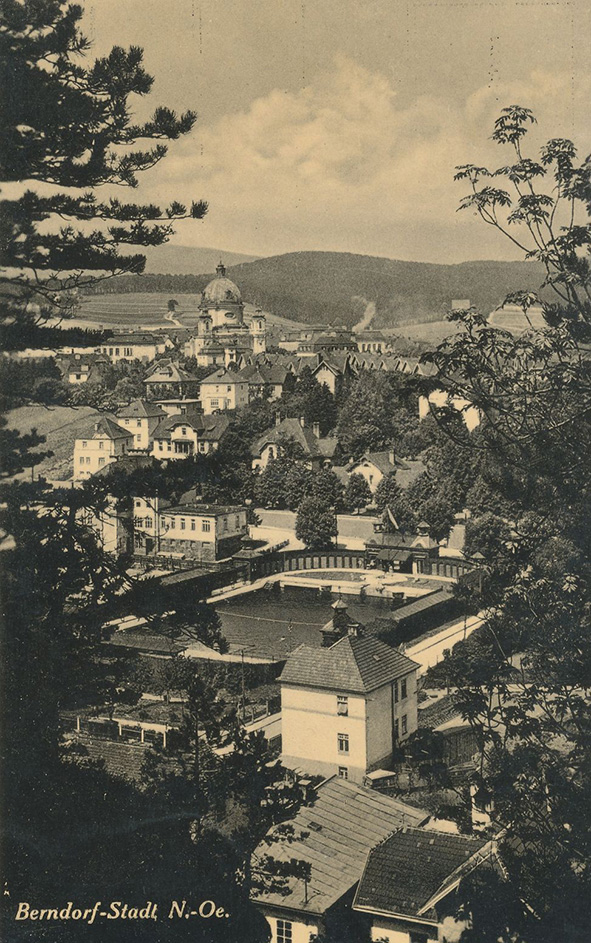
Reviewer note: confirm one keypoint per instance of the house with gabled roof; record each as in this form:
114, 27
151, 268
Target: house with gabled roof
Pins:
189, 433
374, 466
223, 390
410, 879
141, 418
168, 377
108, 442
317, 450
333, 368
331, 836
346, 708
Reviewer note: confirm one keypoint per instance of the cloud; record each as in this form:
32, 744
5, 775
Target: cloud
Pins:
343, 163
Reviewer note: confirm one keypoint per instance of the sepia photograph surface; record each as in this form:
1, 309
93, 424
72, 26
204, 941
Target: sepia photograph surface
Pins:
295, 471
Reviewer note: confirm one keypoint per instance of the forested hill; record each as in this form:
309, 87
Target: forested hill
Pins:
335, 287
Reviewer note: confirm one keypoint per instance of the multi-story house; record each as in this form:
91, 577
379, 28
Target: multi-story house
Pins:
317, 450
134, 346
347, 707
201, 532
223, 390
141, 418
107, 444
185, 434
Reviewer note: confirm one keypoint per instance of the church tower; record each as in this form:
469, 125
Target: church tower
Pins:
258, 331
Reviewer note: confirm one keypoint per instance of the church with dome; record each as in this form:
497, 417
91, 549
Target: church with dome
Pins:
223, 336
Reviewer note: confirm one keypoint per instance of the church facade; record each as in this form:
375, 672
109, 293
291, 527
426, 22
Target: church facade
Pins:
223, 336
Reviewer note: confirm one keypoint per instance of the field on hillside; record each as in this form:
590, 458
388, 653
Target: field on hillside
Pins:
148, 310
60, 425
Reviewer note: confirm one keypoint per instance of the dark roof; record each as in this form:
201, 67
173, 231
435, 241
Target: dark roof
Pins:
355, 663
337, 830
170, 373
140, 409
208, 510
108, 427
414, 865
207, 427
422, 604
134, 339
223, 376
290, 429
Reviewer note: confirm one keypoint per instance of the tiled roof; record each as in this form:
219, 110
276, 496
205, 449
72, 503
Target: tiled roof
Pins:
409, 868
170, 373
422, 604
355, 663
108, 427
208, 510
290, 429
140, 409
338, 830
131, 339
223, 376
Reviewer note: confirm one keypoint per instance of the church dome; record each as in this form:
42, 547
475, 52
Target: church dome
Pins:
221, 290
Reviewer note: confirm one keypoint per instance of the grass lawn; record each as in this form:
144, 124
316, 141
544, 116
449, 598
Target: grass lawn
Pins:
60, 425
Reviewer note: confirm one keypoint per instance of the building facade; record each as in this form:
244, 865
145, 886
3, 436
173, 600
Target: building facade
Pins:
107, 444
204, 533
346, 708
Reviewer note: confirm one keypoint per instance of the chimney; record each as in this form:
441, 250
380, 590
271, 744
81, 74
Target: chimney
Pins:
316, 429
302, 421
354, 629
391, 456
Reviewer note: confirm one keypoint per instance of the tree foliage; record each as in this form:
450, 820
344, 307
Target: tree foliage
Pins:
524, 688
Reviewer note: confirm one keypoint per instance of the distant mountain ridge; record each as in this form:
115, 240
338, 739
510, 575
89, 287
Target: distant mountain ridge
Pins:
189, 260
337, 287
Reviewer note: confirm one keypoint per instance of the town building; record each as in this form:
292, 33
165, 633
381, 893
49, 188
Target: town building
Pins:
135, 346
374, 466
181, 435
392, 549
223, 390
332, 834
264, 381
411, 876
333, 369
167, 378
204, 533
372, 342
79, 368
107, 444
318, 450
141, 418
346, 708
223, 337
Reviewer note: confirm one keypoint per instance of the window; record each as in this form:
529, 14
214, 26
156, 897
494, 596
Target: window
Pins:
138, 503
184, 430
116, 351
404, 724
148, 522
128, 351
101, 461
284, 931
206, 526
403, 689
343, 742
215, 403
84, 444
101, 445
237, 521
139, 423
78, 375
192, 523
396, 730
110, 351
162, 522
343, 772
228, 389
138, 438
82, 460
182, 523
395, 687
342, 705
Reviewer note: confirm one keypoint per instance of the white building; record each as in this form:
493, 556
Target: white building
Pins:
345, 708
135, 346
107, 444
223, 336
141, 418
223, 390
200, 532
182, 435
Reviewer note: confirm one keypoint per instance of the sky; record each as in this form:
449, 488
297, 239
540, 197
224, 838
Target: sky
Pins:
337, 124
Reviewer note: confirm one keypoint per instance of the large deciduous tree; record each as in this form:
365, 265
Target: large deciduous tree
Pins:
525, 689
